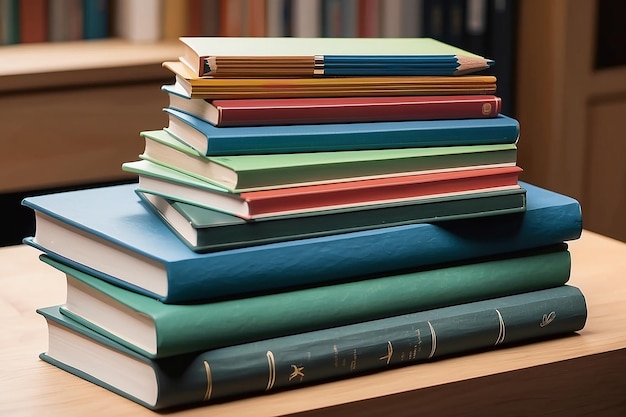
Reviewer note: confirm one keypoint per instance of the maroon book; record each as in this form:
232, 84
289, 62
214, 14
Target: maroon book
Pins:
285, 111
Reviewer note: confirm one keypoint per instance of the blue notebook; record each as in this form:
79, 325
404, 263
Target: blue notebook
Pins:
107, 232
211, 140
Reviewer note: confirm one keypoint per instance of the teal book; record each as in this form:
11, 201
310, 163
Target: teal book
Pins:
305, 358
155, 329
211, 140
207, 230
96, 19
9, 22
257, 172
108, 233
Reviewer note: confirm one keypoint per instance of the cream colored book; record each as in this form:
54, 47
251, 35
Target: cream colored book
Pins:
307, 57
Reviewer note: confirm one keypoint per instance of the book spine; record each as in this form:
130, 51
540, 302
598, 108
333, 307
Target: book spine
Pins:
307, 18
95, 19
255, 22
468, 107
343, 171
345, 136
377, 190
139, 20
210, 18
231, 12
9, 22
368, 19
33, 21
347, 351
65, 20
175, 19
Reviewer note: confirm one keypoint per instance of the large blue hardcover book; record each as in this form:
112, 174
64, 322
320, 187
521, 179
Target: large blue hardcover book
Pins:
108, 233
211, 140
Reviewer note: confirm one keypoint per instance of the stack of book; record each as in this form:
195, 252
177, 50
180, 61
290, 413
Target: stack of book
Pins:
353, 219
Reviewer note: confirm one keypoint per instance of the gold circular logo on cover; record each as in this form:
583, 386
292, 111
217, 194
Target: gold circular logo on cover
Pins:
486, 109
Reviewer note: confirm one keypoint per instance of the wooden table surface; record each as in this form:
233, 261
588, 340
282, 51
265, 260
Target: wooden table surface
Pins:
583, 374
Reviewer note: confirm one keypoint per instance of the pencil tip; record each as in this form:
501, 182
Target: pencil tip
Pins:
469, 64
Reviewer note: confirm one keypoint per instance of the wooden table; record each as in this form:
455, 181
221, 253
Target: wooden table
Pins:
582, 375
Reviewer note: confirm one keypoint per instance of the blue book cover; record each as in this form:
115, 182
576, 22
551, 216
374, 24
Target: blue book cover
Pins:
211, 140
108, 233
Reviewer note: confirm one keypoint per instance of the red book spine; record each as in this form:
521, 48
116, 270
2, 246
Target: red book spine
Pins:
355, 109
33, 21
195, 16
379, 190
368, 19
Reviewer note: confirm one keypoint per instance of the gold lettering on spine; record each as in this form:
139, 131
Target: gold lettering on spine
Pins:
502, 330
209, 381
271, 362
547, 319
433, 341
297, 371
389, 354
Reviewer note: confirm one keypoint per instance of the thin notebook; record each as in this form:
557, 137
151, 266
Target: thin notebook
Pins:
306, 57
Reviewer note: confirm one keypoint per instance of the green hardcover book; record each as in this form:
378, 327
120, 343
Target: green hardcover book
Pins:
205, 230
255, 172
309, 357
155, 329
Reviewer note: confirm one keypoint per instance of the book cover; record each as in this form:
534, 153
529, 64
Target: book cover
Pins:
211, 140
311, 199
312, 357
108, 233
206, 230
255, 172
157, 330
327, 56
355, 86
318, 110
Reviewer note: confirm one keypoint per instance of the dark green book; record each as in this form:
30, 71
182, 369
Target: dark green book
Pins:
155, 329
206, 230
311, 357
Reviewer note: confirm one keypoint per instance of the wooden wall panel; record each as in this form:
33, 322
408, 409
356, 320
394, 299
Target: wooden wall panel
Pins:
605, 179
75, 136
